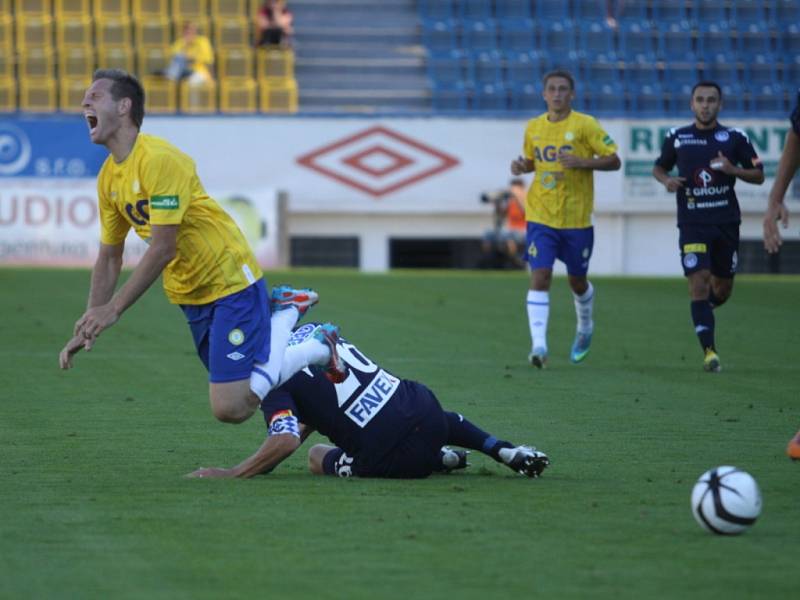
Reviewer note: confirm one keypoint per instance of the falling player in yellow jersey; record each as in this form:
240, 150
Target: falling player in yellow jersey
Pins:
208, 269
563, 147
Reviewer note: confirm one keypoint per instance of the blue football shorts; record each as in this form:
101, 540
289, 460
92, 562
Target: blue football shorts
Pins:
573, 247
232, 333
710, 247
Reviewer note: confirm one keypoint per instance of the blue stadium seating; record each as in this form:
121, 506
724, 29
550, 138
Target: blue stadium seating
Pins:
486, 66
453, 97
588, 11
448, 68
768, 99
789, 39
551, 11
476, 10
791, 73
479, 35
595, 38
526, 97
733, 97
669, 11
491, 97
558, 38
754, 40
762, 71
605, 99
437, 9
527, 67
681, 73
600, 69
638, 41
675, 42
716, 43
705, 12
440, 35
745, 12
647, 100
723, 71
677, 96
513, 9
787, 11
640, 74
517, 35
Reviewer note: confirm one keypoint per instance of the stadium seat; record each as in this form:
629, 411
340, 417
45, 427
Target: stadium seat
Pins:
490, 97
7, 66
787, 12
112, 9
116, 57
487, 68
734, 97
440, 35
768, 100
669, 11
75, 62
512, 9
74, 31
231, 32
675, 42
681, 73
595, 38
8, 94
72, 91
113, 31
447, 68
754, 39
479, 35
150, 9
517, 35
589, 11
238, 96
558, 39
551, 11
235, 63
638, 74
6, 34
677, 97
601, 69
161, 97
527, 67
36, 63
706, 12
437, 9
34, 31
647, 100
72, 9
37, 94
274, 64
278, 96
526, 97
198, 98
450, 97
151, 61
228, 9
762, 70
716, 42
746, 12
474, 9
722, 71
606, 99
638, 42
152, 31
789, 39
34, 8
189, 10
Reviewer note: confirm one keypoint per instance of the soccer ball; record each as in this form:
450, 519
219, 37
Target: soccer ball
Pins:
726, 500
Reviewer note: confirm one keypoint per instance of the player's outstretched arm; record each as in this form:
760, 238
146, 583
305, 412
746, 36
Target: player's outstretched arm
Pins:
159, 253
776, 208
275, 449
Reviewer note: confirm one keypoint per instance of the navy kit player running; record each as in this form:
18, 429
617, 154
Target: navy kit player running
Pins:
710, 158
381, 425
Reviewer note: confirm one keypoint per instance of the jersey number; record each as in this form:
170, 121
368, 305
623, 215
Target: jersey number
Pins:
355, 360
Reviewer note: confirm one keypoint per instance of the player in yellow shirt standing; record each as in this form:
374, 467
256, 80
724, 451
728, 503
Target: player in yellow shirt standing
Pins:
208, 269
562, 147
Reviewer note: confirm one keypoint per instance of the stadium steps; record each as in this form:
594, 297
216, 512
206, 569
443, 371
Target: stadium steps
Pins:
359, 55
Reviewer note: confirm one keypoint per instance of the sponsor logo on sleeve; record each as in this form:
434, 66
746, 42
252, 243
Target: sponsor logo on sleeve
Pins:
694, 248
236, 337
690, 261
164, 203
608, 141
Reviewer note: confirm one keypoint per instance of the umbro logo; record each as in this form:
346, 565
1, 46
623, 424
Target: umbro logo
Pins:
236, 356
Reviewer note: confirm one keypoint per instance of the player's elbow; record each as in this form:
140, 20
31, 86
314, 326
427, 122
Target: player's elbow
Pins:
759, 178
286, 444
615, 163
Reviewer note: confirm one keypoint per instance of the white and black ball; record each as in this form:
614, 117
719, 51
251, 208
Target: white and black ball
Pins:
726, 500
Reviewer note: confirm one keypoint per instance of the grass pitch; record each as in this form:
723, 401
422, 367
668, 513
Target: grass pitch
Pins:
94, 505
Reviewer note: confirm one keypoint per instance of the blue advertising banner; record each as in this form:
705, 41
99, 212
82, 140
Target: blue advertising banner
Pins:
48, 147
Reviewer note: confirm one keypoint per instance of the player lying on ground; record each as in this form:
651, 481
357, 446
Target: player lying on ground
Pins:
382, 426
208, 269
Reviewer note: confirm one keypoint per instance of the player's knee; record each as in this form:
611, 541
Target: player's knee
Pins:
233, 411
316, 456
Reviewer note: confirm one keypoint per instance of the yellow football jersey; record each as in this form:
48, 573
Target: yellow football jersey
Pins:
558, 197
158, 184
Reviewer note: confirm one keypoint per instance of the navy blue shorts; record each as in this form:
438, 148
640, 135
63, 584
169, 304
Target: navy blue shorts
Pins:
710, 247
573, 247
232, 333
414, 457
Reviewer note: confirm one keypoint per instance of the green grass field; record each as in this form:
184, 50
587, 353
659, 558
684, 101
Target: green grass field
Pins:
93, 502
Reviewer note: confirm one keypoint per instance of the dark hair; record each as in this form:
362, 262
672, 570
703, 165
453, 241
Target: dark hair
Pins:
559, 73
518, 181
125, 85
712, 84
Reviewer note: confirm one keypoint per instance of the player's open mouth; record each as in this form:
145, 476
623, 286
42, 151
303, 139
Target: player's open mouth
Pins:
92, 121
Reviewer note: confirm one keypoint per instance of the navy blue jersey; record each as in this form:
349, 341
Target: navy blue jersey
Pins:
707, 195
795, 118
365, 415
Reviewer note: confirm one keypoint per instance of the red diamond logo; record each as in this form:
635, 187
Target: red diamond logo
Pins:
378, 161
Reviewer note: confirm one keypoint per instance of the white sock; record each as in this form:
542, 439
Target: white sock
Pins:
538, 312
299, 356
583, 310
265, 376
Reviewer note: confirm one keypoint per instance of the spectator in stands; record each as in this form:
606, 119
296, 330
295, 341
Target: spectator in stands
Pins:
274, 24
614, 10
502, 244
192, 57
